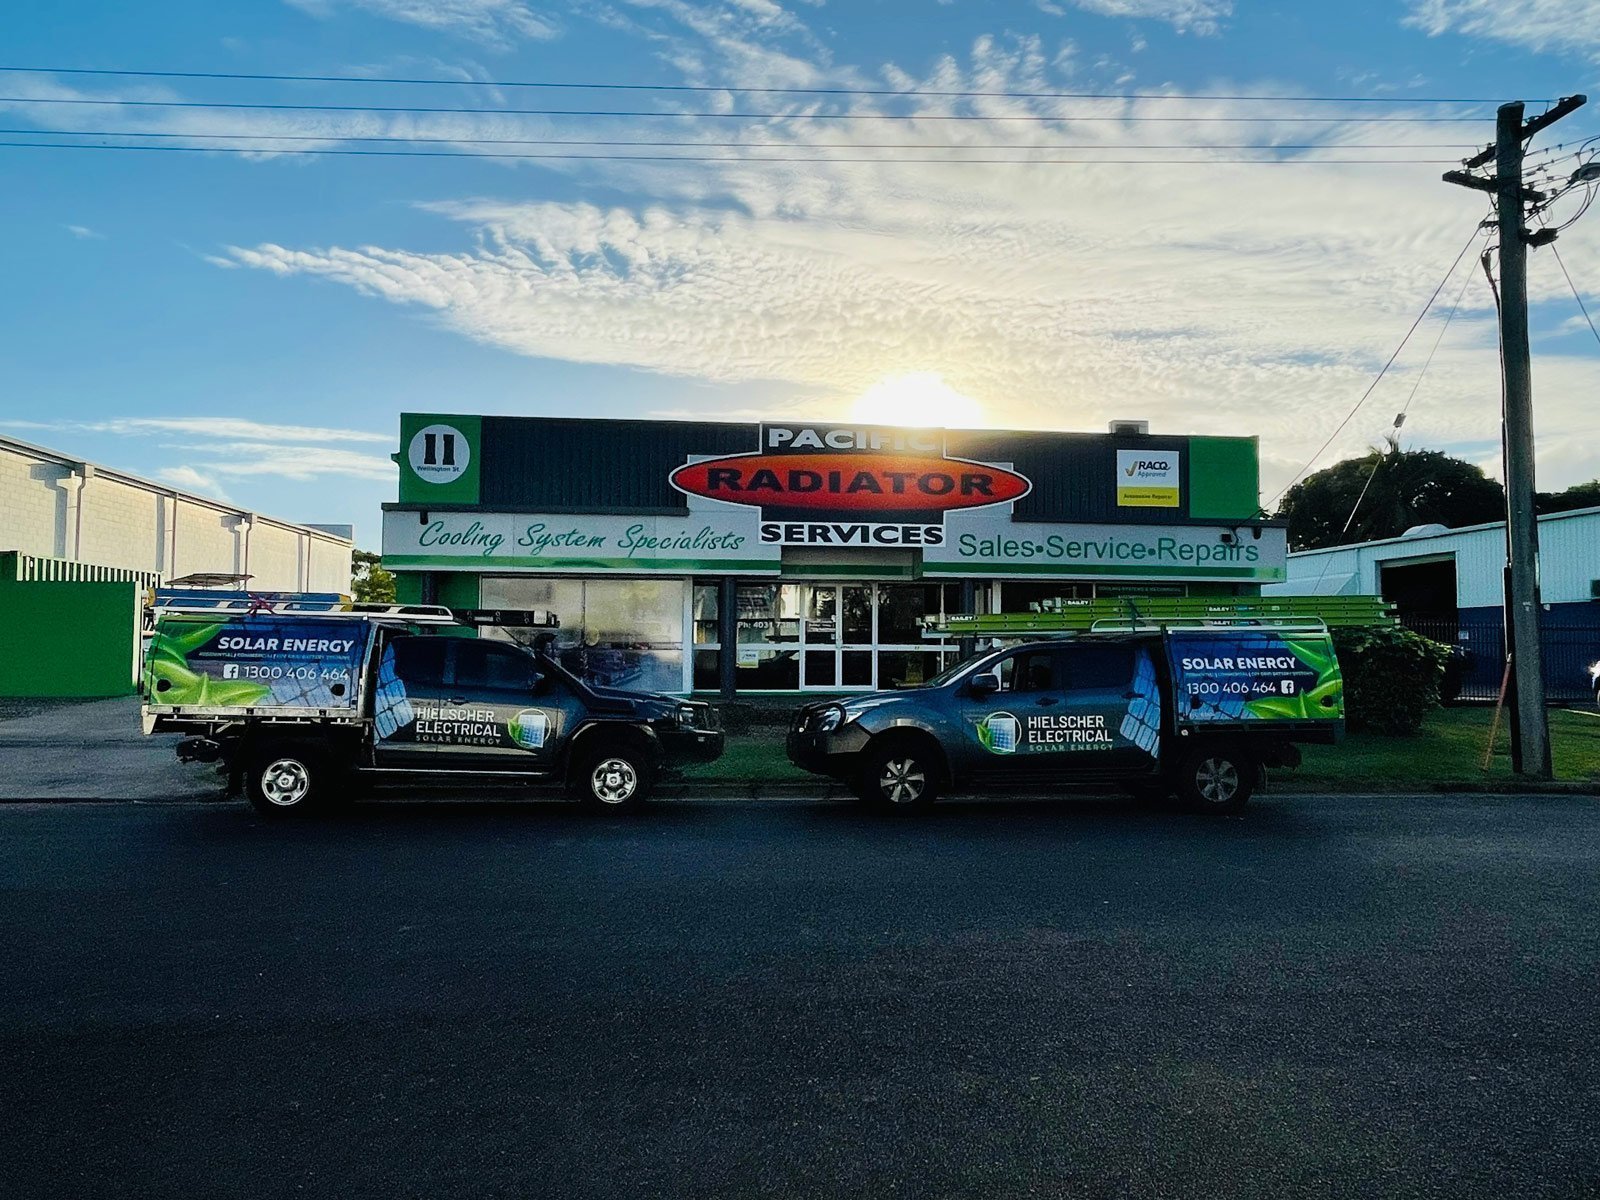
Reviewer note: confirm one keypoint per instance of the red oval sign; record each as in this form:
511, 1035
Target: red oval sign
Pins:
858, 484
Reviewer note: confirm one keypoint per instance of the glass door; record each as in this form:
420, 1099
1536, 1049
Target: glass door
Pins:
819, 633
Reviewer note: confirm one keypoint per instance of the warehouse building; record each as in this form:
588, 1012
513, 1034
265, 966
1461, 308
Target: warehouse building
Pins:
1449, 584
80, 543
795, 556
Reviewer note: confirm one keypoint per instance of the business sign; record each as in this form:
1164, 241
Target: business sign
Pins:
725, 540
850, 485
1257, 676
1148, 479
977, 545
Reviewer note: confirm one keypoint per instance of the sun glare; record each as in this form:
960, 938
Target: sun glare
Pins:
917, 398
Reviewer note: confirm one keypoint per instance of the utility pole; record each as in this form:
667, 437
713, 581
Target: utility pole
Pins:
1530, 729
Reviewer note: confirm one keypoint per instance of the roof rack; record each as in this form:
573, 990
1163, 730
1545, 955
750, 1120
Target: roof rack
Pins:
1200, 612
164, 602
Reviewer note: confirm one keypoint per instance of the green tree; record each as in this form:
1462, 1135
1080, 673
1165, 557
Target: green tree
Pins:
369, 582
1579, 495
1409, 487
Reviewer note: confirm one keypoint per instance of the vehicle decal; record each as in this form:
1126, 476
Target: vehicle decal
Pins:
529, 729
1142, 723
1257, 676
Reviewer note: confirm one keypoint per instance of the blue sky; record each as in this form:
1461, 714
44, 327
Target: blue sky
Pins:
252, 325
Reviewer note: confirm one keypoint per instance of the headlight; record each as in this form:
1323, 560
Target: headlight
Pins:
687, 715
829, 718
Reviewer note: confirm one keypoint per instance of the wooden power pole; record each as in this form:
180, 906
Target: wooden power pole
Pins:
1530, 726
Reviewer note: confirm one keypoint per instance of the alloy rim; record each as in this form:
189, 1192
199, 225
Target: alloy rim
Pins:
903, 781
614, 781
285, 782
1218, 780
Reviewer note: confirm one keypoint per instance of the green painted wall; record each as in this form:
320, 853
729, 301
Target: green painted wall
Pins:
67, 639
1224, 478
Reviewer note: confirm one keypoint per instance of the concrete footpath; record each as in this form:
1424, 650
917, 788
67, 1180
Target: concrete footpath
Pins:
93, 750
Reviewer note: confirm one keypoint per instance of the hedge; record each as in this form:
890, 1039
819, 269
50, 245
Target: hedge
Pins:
1391, 677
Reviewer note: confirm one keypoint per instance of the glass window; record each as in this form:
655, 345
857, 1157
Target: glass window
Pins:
1029, 671
909, 668
614, 632
707, 670
419, 661
1099, 667
485, 666
902, 608
706, 631
769, 613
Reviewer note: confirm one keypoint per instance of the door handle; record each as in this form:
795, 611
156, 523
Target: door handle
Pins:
1046, 701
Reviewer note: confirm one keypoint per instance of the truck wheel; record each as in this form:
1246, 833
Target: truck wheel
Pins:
613, 778
899, 777
284, 781
1217, 780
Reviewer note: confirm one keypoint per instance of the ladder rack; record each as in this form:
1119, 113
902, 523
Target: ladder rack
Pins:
293, 604
1320, 613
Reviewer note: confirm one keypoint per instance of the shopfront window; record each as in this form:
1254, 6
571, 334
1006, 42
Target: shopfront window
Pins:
624, 633
768, 643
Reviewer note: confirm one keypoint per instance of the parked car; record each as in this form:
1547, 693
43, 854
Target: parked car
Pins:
1196, 711
300, 707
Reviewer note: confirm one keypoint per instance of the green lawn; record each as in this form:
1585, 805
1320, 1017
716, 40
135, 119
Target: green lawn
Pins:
1449, 750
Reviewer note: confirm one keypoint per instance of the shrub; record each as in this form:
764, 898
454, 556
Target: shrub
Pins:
1391, 677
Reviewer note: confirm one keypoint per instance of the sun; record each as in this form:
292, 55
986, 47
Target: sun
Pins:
917, 398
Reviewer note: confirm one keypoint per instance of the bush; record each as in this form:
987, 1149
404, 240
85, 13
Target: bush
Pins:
1391, 677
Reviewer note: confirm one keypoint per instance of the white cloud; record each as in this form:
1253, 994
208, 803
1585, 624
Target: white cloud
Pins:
211, 428
1197, 16
1539, 25
191, 480
492, 22
84, 232
302, 463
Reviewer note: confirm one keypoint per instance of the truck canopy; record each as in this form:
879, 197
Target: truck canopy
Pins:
1254, 676
247, 664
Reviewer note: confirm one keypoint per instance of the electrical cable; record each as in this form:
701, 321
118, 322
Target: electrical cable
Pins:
763, 91
655, 142
733, 116
1584, 308
737, 158
1371, 387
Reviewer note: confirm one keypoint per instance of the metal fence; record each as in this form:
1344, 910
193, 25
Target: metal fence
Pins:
1479, 664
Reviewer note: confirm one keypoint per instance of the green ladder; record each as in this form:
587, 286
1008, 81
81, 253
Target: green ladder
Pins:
1086, 615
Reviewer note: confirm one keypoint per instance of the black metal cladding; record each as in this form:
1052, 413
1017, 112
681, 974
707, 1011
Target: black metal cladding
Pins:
562, 464
554, 464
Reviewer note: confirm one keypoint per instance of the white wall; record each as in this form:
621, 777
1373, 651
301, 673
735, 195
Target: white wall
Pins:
58, 507
1569, 559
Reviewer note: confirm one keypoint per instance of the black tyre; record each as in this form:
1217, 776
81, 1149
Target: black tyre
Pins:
286, 780
613, 778
901, 776
1218, 779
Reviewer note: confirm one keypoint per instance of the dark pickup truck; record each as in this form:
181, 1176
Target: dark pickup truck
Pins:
1192, 711
302, 708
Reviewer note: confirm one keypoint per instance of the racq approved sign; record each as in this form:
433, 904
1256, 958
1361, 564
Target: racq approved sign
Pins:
851, 485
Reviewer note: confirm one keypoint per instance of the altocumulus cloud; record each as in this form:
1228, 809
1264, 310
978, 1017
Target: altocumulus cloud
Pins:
1206, 297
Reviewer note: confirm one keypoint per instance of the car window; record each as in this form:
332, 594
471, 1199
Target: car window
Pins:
1029, 671
485, 666
419, 661
1099, 667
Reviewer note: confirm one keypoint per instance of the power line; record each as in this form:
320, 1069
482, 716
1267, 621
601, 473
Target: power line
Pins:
655, 142
755, 91
1371, 387
735, 158
1581, 305
736, 116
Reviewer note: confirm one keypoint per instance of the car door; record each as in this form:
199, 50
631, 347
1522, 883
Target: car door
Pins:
1110, 715
1006, 725
503, 713
410, 689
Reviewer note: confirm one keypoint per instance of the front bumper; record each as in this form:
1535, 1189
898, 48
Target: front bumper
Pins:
695, 745
836, 753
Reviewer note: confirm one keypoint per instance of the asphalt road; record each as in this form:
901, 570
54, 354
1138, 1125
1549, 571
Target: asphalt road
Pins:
1352, 996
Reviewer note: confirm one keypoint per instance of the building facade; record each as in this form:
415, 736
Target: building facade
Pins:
794, 556
1449, 584
81, 543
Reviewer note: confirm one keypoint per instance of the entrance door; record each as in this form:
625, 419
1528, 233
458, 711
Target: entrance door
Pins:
837, 637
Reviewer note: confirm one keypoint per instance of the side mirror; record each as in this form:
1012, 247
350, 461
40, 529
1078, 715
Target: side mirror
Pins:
984, 685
